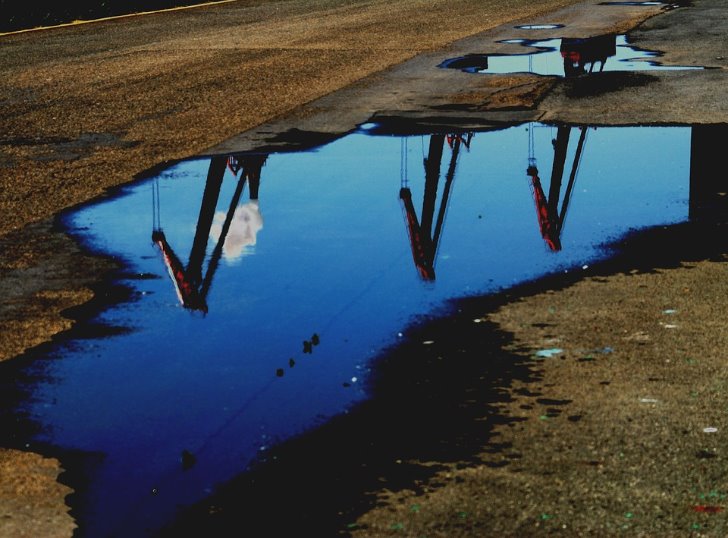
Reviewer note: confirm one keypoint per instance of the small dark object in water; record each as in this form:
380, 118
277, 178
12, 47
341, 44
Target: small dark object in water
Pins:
315, 339
291, 363
307, 346
188, 459
279, 372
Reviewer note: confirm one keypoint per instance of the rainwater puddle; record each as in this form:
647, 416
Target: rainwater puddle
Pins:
539, 26
565, 57
648, 3
270, 283
617, 3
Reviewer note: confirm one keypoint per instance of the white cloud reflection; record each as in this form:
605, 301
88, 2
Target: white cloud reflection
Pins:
244, 227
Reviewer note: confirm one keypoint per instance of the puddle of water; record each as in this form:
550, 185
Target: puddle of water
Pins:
539, 26
632, 3
565, 57
271, 282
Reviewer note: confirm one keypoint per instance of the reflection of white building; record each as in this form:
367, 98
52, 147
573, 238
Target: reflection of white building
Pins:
244, 227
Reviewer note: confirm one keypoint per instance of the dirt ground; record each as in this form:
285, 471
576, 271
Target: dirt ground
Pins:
605, 437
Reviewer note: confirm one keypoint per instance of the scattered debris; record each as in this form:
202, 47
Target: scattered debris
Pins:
638, 336
548, 353
710, 429
707, 509
279, 372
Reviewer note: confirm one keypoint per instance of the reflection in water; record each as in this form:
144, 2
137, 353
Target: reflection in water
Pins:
550, 218
580, 53
335, 263
564, 57
232, 230
423, 239
708, 178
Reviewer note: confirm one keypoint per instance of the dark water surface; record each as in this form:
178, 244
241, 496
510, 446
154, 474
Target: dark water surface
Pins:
258, 315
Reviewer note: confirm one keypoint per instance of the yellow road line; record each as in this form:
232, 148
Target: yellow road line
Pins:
114, 17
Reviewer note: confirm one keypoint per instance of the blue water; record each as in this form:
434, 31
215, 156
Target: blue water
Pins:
547, 59
325, 250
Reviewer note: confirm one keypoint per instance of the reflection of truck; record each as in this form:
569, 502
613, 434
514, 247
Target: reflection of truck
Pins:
578, 53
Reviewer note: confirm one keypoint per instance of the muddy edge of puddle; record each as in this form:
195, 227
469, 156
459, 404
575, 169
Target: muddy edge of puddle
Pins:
623, 431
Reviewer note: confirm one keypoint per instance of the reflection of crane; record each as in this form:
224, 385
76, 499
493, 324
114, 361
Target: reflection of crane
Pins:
190, 284
423, 239
550, 219
578, 53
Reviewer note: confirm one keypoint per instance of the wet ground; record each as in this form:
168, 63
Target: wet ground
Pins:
233, 245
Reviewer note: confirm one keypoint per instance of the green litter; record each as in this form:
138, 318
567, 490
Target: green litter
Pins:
396, 526
415, 508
